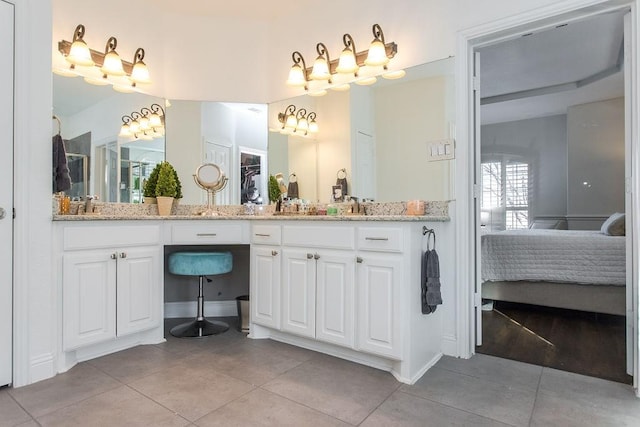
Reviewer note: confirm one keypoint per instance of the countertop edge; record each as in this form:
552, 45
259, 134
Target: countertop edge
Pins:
383, 218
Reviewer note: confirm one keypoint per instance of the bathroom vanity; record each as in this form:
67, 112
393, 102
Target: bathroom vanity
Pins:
348, 286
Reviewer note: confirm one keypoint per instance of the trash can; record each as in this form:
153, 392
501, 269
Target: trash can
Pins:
243, 313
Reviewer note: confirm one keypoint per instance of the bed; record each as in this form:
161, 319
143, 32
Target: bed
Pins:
579, 270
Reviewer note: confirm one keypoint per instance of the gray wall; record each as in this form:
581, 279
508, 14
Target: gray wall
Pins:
543, 142
596, 157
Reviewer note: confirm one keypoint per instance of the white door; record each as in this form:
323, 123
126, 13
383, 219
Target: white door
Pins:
138, 289
365, 182
6, 195
265, 286
379, 281
220, 154
299, 292
88, 297
477, 300
335, 298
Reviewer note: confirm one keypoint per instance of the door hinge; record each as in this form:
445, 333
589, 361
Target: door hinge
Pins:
477, 300
476, 191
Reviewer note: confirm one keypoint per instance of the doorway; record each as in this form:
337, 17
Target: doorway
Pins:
468, 182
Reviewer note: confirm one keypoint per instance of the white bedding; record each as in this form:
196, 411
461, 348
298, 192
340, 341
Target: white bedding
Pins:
568, 256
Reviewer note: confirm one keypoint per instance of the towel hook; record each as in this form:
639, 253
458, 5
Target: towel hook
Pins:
429, 232
293, 177
54, 117
344, 173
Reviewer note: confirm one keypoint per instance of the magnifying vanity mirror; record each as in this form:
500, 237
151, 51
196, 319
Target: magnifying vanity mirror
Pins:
211, 178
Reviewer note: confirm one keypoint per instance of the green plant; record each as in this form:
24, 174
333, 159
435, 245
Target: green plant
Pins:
274, 189
166, 185
149, 188
178, 185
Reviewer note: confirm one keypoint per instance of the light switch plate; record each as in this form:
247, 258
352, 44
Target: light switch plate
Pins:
443, 149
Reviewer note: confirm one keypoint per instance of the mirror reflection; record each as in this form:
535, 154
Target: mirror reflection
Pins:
100, 162
379, 135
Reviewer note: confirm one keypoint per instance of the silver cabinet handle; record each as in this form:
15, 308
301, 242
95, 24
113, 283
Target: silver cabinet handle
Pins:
114, 255
377, 238
123, 254
206, 234
316, 256
309, 256
274, 253
3, 213
262, 235
359, 260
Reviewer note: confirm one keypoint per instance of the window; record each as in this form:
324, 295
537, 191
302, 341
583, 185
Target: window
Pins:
505, 194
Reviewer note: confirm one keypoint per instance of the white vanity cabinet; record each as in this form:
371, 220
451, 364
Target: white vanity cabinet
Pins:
380, 279
111, 283
265, 275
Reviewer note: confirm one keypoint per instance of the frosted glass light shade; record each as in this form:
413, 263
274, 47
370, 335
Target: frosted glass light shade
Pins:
144, 124
303, 125
347, 62
366, 82
155, 121
96, 81
377, 54
79, 54
134, 127
112, 64
124, 130
320, 69
392, 75
313, 127
140, 73
291, 122
296, 76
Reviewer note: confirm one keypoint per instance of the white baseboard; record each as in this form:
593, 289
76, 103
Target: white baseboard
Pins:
190, 308
42, 367
450, 345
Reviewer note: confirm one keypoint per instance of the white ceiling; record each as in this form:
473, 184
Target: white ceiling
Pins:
564, 54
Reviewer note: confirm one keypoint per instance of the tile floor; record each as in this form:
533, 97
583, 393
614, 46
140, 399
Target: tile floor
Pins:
229, 380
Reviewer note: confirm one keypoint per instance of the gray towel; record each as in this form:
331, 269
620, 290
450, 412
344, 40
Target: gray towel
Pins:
61, 177
343, 183
430, 282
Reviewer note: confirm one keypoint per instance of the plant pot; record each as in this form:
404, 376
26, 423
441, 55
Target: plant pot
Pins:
149, 200
164, 205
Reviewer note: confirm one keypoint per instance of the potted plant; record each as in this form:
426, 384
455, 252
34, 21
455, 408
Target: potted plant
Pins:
149, 188
274, 189
166, 188
176, 200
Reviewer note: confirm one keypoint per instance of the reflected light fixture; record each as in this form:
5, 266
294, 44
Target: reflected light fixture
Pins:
299, 123
108, 64
347, 66
146, 124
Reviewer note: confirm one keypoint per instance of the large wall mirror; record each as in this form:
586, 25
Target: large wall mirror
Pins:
379, 135
100, 162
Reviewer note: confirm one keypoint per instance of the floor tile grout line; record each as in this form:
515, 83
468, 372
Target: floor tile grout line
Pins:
519, 387
381, 403
455, 407
535, 399
158, 403
22, 407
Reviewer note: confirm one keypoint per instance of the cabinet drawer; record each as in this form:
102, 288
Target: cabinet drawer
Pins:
266, 235
319, 236
380, 239
215, 233
105, 237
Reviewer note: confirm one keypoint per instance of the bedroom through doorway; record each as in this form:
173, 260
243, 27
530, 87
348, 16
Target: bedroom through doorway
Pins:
552, 160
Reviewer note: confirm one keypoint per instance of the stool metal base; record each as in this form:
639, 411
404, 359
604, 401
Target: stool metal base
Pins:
199, 328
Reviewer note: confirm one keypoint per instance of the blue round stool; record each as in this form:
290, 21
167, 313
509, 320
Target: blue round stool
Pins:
200, 264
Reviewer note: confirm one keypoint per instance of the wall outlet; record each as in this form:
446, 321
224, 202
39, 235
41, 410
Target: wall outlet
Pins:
443, 149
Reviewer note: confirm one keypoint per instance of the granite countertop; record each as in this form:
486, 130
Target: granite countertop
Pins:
375, 211
267, 217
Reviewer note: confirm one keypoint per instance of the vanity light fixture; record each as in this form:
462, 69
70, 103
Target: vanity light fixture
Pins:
347, 66
299, 123
109, 67
146, 124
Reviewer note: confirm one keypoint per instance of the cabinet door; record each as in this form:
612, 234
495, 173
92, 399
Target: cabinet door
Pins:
379, 280
88, 298
138, 289
335, 298
298, 292
265, 286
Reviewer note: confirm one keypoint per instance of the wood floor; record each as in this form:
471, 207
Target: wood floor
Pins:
586, 343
